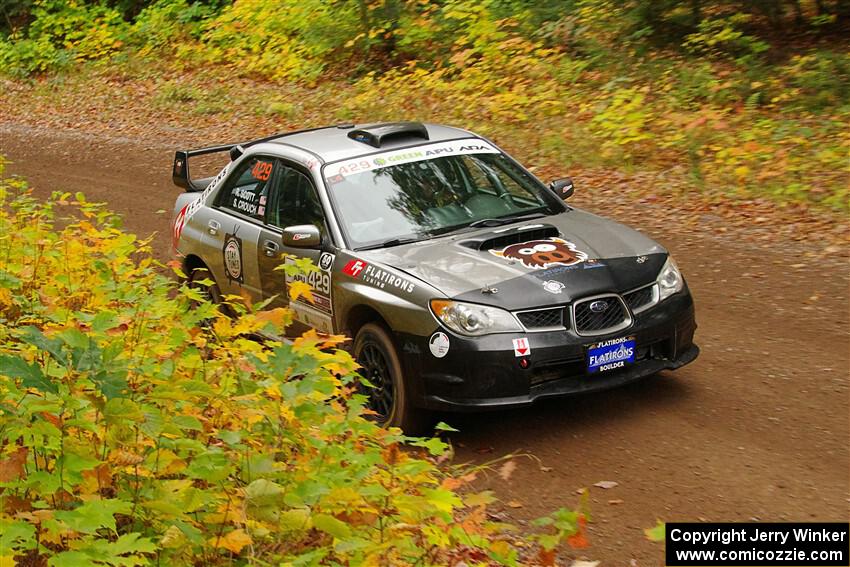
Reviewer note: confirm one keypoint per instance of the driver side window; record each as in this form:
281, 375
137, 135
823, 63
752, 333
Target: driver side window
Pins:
294, 200
247, 189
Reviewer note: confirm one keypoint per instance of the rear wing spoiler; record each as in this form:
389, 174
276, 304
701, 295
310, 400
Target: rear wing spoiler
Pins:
180, 169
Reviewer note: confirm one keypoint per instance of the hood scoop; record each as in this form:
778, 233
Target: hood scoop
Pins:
490, 241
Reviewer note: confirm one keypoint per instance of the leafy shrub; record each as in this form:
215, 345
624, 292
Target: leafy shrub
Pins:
723, 37
821, 79
623, 121
279, 40
582, 83
63, 31
168, 22
23, 56
136, 430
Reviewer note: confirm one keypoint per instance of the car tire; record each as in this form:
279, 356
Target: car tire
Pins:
390, 398
212, 292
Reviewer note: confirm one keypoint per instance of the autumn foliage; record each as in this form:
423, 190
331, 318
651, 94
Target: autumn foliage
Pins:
740, 98
137, 430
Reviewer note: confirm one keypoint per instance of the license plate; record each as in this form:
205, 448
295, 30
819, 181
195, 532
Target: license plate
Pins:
610, 354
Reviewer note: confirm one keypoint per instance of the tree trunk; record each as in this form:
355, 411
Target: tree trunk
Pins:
696, 13
798, 12
364, 24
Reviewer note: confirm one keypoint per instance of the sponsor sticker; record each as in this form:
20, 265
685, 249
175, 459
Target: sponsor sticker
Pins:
420, 153
383, 279
553, 286
179, 223
190, 209
232, 255
521, 347
542, 254
326, 261
610, 354
439, 344
354, 267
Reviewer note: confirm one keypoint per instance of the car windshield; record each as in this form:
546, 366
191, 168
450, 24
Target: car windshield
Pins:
395, 197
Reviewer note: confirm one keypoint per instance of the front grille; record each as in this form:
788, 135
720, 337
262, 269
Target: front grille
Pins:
613, 318
641, 298
542, 318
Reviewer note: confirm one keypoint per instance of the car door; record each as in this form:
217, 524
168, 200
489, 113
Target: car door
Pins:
293, 201
233, 227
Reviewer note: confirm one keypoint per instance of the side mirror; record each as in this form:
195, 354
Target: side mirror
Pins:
302, 236
563, 188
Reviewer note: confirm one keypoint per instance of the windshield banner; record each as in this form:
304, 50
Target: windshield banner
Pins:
338, 170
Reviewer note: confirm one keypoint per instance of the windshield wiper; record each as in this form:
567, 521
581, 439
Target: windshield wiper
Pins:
504, 220
390, 242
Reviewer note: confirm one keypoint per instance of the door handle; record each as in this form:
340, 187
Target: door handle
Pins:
213, 226
270, 247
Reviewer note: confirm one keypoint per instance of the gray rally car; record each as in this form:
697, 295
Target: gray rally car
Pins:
465, 282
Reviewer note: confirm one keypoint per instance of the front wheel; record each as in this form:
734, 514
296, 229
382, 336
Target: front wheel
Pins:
389, 397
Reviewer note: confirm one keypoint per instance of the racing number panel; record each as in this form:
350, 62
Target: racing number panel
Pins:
292, 201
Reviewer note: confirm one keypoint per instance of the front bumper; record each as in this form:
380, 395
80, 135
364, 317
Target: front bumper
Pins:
483, 373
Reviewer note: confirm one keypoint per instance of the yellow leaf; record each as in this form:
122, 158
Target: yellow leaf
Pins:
277, 317
308, 339
331, 341
298, 289
501, 547
507, 469
12, 467
122, 458
233, 541
172, 538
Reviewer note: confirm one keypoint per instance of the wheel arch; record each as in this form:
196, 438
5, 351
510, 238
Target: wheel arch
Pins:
362, 314
193, 262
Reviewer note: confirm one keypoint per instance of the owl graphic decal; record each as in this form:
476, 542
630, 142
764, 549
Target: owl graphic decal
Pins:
542, 254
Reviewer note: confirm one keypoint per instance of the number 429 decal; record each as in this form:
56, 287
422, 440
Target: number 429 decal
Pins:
262, 170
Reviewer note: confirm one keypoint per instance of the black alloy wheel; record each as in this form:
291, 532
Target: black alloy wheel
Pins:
376, 371
390, 396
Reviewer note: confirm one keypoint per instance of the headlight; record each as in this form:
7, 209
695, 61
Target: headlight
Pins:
669, 280
472, 319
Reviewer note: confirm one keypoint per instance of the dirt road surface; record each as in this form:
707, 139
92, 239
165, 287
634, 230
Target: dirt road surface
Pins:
758, 428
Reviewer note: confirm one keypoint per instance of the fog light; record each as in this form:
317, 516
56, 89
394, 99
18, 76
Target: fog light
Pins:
523, 363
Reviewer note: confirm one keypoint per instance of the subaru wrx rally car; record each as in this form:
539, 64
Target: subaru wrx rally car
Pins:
465, 282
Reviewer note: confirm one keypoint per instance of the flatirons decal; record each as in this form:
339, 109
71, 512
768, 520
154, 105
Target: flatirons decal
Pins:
542, 254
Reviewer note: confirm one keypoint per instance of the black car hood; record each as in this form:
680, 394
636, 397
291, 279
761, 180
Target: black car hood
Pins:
605, 257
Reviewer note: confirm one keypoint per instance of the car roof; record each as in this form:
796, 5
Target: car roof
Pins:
333, 143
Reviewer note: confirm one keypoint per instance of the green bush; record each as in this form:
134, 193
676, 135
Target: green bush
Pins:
135, 430
165, 23
61, 32
821, 78
662, 84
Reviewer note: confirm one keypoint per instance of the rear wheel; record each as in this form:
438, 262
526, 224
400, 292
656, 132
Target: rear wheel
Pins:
212, 292
389, 397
